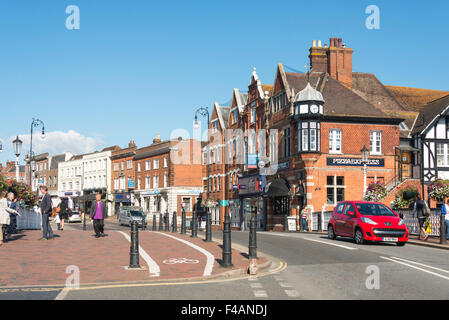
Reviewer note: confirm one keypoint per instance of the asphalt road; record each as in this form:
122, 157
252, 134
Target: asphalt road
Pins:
317, 268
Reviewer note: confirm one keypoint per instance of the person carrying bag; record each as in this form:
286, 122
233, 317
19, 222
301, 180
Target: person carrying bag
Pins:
422, 212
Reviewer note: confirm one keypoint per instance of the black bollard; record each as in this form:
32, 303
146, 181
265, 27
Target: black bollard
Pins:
443, 229
154, 222
175, 223
161, 227
167, 222
194, 225
227, 250
183, 221
134, 249
208, 227
252, 239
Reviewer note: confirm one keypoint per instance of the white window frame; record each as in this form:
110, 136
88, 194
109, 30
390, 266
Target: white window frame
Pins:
375, 136
335, 141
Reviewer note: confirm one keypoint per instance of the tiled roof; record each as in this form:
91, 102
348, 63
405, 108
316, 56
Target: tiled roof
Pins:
428, 113
414, 99
267, 87
340, 100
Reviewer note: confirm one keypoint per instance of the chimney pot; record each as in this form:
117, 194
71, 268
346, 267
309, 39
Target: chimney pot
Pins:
313, 43
339, 42
319, 43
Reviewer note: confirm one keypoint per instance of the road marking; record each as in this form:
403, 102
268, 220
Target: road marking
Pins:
253, 279
277, 278
285, 285
256, 285
260, 294
209, 256
61, 295
332, 244
415, 267
421, 264
153, 267
292, 293
94, 286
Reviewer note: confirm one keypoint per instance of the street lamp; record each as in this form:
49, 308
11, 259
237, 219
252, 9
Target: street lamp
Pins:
1, 147
17, 144
365, 154
205, 113
35, 123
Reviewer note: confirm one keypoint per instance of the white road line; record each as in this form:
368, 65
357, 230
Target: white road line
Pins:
209, 257
285, 285
292, 293
421, 264
277, 278
260, 294
61, 295
332, 244
253, 279
415, 267
256, 285
153, 267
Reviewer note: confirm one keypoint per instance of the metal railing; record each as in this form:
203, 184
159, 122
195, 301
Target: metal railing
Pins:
320, 220
411, 221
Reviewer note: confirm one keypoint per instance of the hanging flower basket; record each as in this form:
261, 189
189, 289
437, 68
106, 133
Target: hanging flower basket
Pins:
209, 203
375, 192
405, 198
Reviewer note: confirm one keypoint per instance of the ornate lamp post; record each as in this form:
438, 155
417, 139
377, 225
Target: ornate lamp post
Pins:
1, 147
205, 113
17, 144
35, 123
365, 154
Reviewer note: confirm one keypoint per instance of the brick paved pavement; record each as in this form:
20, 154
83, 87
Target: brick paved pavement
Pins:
26, 261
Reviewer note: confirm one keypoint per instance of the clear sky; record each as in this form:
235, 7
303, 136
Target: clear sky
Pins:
136, 68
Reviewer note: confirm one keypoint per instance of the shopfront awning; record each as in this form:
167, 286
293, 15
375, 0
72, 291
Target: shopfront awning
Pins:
277, 188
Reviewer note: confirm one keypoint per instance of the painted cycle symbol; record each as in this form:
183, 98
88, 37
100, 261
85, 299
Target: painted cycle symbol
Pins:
180, 260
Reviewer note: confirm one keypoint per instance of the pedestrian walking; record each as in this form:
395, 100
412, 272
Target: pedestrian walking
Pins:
445, 211
98, 211
422, 211
63, 212
4, 215
57, 220
46, 211
12, 204
304, 220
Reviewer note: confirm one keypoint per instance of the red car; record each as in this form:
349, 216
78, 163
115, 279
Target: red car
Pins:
367, 221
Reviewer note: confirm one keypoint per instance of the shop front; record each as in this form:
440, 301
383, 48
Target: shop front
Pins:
120, 200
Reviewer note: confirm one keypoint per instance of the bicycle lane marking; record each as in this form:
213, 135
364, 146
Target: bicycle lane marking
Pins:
153, 267
210, 259
163, 248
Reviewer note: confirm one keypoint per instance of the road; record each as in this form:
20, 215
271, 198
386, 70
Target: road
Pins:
316, 268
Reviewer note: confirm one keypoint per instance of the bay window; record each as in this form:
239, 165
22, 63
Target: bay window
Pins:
309, 136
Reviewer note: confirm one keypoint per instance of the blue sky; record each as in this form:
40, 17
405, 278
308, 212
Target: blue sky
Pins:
138, 68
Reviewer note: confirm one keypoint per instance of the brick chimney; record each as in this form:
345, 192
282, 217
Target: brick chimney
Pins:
335, 60
318, 57
340, 62
131, 144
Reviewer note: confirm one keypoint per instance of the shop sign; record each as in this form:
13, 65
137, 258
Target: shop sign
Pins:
131, 184
354, 162
252, 161
291, 224
251, 184
224, 203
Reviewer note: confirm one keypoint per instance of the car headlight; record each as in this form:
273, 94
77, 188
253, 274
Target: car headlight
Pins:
368, 220
401, 222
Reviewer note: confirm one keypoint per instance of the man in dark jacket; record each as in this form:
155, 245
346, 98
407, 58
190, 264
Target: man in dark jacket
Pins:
46, 214
98, 211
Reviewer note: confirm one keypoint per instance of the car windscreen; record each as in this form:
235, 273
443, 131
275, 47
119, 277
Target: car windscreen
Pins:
374, 209
136, 213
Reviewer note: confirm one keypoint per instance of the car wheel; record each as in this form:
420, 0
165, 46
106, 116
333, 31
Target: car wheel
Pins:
358, 237
330, 232
401, 244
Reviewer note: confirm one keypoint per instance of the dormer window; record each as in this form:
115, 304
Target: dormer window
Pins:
215, 126
235, 116
253, 112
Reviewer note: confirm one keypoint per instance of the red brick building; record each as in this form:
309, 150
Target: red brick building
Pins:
167, 177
